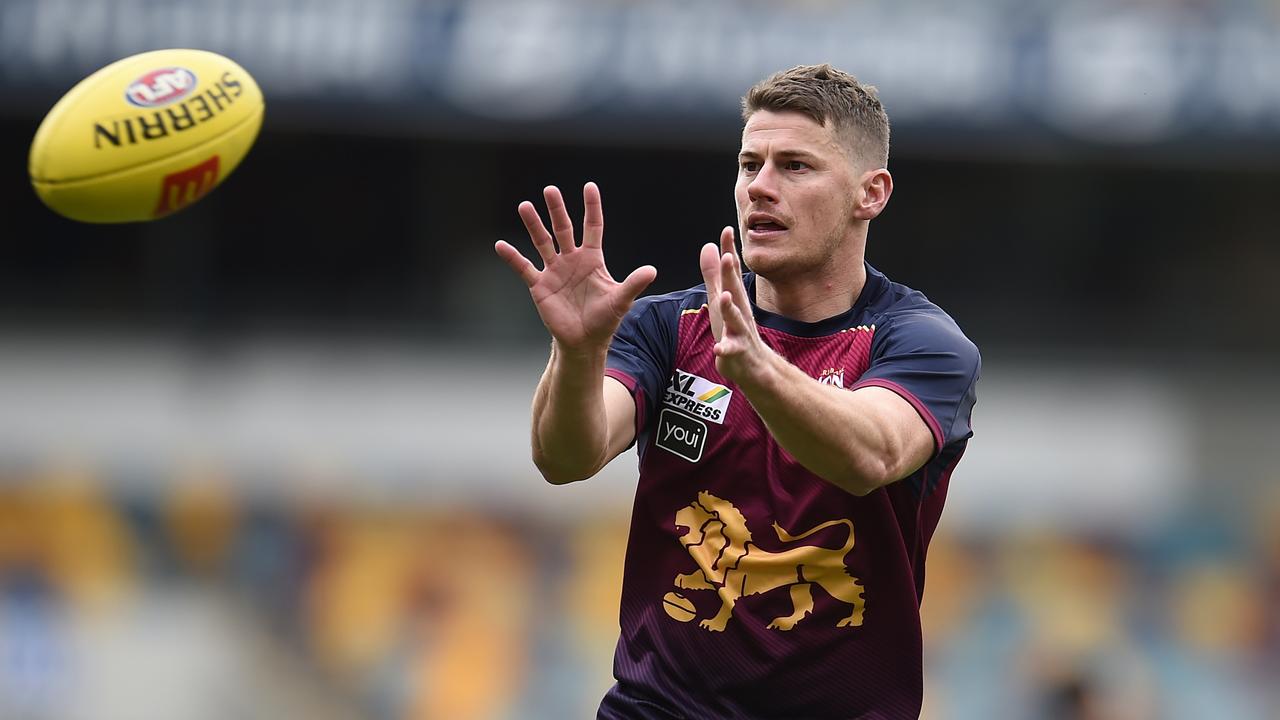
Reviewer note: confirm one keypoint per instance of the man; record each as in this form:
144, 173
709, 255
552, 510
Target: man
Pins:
796, 426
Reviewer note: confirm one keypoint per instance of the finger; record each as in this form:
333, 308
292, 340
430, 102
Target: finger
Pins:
735, 327
637, 281
726, 240
517, 262
737, 291
709, 263
561, 225
731, 281
593, 219
537, 232
735, 322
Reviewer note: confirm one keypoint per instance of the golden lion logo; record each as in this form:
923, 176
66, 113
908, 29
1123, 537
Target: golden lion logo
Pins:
729, 563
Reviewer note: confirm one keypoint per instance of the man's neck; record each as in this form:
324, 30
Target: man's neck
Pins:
814, 296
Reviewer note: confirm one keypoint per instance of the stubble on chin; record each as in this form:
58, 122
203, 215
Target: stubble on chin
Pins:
780, 264
772, 266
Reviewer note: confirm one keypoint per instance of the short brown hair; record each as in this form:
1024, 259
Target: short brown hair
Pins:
824, 94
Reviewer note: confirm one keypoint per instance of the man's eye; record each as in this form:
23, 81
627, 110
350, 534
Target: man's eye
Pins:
797, 165
750, 165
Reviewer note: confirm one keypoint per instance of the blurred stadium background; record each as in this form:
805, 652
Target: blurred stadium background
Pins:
267, 458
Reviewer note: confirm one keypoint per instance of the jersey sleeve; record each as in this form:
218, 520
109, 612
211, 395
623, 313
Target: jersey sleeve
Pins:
642, 353
931, 364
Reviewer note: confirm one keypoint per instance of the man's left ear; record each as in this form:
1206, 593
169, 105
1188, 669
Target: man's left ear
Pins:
873, 194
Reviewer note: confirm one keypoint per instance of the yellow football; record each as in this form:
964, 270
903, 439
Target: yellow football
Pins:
145, 136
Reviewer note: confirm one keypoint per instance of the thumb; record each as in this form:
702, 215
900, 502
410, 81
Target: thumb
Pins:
637, 281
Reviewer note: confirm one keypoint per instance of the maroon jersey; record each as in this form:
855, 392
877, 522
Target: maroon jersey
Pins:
754, 588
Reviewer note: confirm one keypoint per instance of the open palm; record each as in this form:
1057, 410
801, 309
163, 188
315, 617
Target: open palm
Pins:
576, 297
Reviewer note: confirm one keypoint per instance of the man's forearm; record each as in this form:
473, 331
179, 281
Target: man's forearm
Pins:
827, 429
570, 432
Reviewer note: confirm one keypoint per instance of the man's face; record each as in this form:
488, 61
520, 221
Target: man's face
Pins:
796, 190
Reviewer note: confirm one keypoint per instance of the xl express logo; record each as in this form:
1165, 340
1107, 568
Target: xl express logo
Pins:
697, 396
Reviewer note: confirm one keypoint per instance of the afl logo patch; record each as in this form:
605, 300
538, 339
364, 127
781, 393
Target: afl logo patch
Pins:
161, 87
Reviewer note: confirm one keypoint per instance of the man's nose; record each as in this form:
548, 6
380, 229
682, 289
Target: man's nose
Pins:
764, 186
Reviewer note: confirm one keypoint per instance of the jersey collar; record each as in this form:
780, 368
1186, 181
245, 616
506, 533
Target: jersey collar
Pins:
871, 289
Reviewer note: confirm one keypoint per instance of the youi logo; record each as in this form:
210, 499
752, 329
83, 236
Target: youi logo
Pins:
161, 87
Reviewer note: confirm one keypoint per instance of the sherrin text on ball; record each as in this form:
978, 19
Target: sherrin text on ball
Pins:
145, 136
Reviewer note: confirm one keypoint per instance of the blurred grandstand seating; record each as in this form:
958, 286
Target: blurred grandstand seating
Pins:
429, 612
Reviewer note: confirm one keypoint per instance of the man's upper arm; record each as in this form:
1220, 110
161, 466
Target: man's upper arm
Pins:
639, 366
904, 428
923, 372
620, 414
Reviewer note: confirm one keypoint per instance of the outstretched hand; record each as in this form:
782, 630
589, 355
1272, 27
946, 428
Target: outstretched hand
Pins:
740, 352
576, 297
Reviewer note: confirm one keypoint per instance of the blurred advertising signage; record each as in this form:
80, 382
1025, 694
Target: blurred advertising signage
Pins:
1130, 73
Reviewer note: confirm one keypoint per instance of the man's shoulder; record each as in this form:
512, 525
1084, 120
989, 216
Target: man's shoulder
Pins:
679, 298
901, 309
658, 315
672, 303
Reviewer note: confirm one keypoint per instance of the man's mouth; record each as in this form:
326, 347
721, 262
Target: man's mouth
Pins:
761, 224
